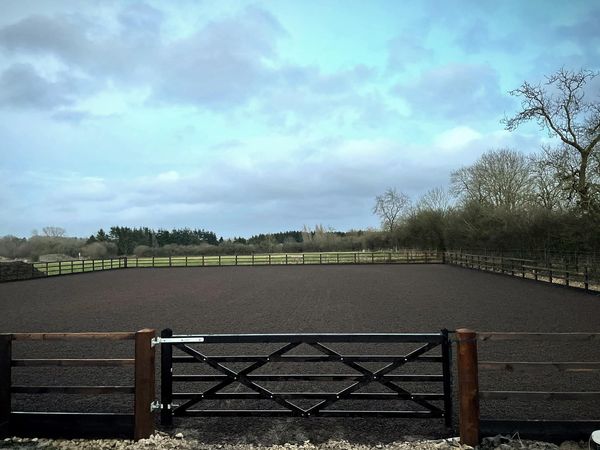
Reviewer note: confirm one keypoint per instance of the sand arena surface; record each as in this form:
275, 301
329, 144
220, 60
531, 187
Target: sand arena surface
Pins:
380, 298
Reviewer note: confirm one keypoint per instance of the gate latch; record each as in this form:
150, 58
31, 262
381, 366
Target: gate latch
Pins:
176, 340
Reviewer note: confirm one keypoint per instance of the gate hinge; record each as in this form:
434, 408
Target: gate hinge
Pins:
155, 406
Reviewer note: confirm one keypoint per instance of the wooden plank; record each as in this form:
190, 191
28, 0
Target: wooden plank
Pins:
538, 395
71, 425
72, 336
73, 362
144, 384
5, 383
513, 366
86, 390
514, 336
556, 431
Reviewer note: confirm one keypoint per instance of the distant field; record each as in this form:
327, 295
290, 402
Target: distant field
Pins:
79, 266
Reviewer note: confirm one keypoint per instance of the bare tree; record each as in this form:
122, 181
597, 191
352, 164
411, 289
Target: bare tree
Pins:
436, 199
499, 178
552, 177
560, 106
54, 231
390, 207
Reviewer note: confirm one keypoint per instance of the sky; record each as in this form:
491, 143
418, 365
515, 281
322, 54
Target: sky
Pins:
246, 117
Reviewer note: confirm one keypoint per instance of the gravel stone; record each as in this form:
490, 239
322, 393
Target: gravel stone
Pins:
163, 441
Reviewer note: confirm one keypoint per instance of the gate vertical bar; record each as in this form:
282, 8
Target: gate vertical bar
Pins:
468, 387
166, 380
446, 359
586, 278
144, 384
5, 383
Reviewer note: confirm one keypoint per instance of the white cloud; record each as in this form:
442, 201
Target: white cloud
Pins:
456, 138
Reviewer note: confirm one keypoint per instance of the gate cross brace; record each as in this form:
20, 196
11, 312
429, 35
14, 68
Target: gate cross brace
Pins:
240, 377
370, 377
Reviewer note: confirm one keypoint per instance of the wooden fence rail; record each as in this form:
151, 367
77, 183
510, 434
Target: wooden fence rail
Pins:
138, 425
574, 276
470, 394
271, 259
57, 268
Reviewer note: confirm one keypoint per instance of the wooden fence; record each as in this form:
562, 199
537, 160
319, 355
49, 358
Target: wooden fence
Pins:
582, 277
27, 271
276, 259
138, 425
470, 394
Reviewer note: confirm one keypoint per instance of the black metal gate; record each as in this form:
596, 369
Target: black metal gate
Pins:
192, 352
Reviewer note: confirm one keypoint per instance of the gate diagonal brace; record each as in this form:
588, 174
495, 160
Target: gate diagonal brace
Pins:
240, 377
370, 377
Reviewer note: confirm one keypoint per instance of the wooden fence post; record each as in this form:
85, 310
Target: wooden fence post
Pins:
468, 387
5, 383
144, 384
586, 278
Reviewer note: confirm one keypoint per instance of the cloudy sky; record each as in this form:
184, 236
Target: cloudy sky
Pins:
247, 117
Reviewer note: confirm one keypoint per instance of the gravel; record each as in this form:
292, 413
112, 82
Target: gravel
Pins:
164, 441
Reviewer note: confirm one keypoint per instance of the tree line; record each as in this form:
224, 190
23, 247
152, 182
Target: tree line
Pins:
514, 202
144, 241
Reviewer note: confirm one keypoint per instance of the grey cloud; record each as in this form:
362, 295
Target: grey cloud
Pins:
408, 48
476, 38
21, 86
223, 64
584, 32
229, 63
304, 94
455, 91
141, 18
60, 36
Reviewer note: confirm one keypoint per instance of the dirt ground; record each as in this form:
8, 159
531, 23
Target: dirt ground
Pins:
380, 298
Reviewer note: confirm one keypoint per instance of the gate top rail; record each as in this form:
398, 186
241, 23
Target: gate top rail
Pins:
302, 338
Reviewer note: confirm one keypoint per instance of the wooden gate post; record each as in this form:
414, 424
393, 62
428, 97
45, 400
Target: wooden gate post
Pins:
144, 384
468, 387
5, 383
